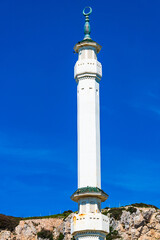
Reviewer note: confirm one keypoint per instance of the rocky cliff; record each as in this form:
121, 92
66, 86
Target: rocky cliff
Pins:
138, 221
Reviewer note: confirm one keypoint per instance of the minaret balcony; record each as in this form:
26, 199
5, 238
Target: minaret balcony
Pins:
89, 222
89, 192
89, 67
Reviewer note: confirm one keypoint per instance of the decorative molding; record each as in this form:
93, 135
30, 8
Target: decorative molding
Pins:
86, 76
90, 235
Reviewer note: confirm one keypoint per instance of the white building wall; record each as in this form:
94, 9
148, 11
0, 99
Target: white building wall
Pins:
88, 133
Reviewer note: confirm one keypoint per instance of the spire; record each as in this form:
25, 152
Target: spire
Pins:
87, 29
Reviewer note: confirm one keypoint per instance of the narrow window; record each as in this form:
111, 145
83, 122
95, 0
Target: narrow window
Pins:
99, 207
83, 54
83, 207
92, 207
90, 54
78, 207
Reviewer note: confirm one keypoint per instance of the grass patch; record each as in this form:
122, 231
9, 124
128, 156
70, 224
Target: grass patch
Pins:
61, 215
143, 205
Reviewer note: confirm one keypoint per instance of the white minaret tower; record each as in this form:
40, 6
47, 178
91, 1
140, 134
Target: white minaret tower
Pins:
89, 222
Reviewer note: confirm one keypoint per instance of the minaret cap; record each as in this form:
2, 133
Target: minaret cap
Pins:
87, 41
87, 28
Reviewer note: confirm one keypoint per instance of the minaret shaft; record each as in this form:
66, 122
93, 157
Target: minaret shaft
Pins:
88, 133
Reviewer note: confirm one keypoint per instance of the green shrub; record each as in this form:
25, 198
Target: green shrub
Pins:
116, 213
105, 212
66, 214
8, 222
60, 237
45, 234
131, 209
113, 234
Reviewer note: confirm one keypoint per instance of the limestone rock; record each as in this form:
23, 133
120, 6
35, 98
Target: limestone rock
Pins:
144, 224
5, 235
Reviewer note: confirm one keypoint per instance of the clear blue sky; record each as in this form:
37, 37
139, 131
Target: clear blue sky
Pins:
38, 138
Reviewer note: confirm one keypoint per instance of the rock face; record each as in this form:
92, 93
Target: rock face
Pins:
127, 223
28, 229
135, 224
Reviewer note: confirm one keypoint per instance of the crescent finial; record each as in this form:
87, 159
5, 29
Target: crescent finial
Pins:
87, 29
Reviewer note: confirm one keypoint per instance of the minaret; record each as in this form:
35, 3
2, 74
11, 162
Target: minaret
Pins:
89, 222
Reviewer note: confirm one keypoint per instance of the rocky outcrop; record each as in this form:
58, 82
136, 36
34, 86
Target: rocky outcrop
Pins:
126, 223
28, 229
135, 224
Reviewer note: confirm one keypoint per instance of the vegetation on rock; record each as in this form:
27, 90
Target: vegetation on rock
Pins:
45, 234
8, 222
66, 214
143, 205
131, 209
60, 237
113, 234
115, 212
61, 215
